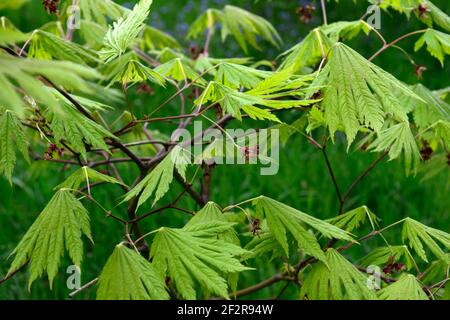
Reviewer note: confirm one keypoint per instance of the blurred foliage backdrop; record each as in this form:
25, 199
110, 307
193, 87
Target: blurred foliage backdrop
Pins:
302, 181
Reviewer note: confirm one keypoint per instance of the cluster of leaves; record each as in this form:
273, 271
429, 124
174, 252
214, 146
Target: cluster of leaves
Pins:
59, 91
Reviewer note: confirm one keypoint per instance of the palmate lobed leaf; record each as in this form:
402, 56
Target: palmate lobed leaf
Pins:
23, 72
353, 219
430, 110
12, 138
266, 93
87, 175
47, 46
243, 25
438, 44
61, 224
9, 34
236, 76
211, 212
418, 235
358, 94
99, 10
160, 178
135, 72
384, 255
345, 29
154, 39
178, 70
309, 52
78, 130
129, 276
282, 219
398, 139
406, 288
124, 32
336, 279
190, 254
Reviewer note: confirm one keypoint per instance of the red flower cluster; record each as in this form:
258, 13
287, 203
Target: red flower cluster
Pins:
51, 6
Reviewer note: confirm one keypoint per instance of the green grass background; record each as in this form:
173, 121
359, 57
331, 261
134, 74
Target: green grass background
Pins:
302, 181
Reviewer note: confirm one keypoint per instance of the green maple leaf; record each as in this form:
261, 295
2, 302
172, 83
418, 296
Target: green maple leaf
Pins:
191, 254
129, 276
282, 219
160, 178
61, 224
419, 235
406, 288
338, 279
12, 137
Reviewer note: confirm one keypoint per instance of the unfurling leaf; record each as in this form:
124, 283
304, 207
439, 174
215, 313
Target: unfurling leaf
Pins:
124, 32
212, 213
419, 235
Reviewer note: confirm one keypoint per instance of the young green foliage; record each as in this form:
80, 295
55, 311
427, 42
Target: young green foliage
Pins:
124, 32
406, 288
210, 213
398, 139
238, 76
335, 279
392, 254
434, 15
353, 219
244, 26
282, 219
160, 178
192, 254
179, 71
309, 52
438, 44
430, 109
417, 235
22, 72
358, 94
345, 29
87, 175
61, 224
129, 276
78, 130
135, 72
47, 46
12, 138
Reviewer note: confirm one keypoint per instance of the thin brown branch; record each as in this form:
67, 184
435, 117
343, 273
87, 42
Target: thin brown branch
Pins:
388, 45
364, 174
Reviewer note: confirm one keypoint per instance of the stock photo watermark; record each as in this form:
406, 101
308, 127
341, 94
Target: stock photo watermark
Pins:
74, 277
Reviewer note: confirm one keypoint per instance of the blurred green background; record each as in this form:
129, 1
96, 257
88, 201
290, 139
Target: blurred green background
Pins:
302, 181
